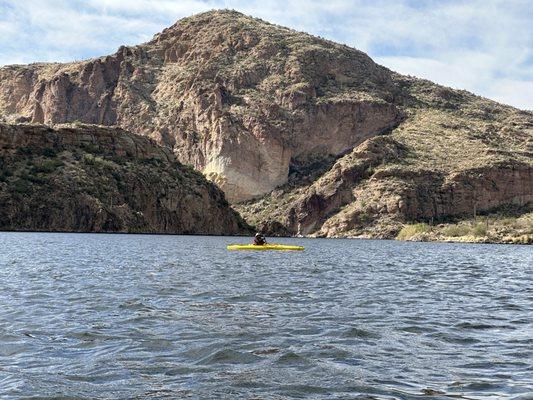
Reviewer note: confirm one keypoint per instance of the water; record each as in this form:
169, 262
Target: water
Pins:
137, 316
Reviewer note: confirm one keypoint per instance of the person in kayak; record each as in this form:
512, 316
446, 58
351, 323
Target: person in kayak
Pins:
259, 239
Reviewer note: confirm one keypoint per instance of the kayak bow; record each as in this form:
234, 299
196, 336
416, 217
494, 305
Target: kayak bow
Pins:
268, 246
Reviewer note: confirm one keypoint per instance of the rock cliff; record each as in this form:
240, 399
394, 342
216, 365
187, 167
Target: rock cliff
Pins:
93, 179
310, 137
437, 166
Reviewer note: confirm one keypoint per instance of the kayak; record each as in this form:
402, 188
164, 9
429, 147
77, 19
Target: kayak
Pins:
268, 246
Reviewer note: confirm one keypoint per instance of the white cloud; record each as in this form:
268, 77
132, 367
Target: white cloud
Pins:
508, 91
482, 45
468, 73
128, 7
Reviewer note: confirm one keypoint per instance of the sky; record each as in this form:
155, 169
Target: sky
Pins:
484, 46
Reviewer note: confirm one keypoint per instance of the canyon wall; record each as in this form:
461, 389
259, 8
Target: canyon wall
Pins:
93, 179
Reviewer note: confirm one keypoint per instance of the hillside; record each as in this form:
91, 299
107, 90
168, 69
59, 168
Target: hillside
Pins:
442, 164
85, 178
308, 136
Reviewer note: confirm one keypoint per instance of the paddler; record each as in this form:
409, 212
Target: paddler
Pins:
259, 239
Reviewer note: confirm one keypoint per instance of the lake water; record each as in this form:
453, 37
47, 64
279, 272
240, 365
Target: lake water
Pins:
137, 316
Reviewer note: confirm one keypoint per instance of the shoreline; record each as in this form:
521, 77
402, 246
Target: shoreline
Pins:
415, 239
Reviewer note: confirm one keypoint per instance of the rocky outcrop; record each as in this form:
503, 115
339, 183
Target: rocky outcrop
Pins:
93, 179
463, 193
391, 180
388, 199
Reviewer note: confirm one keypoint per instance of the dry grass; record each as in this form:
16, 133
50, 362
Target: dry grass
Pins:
413, 230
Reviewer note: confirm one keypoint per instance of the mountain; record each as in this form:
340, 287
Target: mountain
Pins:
86, 178
305, 136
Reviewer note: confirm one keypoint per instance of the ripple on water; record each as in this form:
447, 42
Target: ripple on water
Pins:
454, 338
354, 332
481, 326
290, 358
229, 356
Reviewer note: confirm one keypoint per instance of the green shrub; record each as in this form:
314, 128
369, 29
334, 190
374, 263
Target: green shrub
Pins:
5, 174
151, 161
49, 152
480, 229
24, 151
38, 179
456, 230
89, 159
364, 218
118, 160
510, 221
408, 231
21, 186
47, 166
90, 148
98, 161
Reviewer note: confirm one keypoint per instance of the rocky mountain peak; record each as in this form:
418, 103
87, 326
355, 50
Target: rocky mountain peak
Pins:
238, 98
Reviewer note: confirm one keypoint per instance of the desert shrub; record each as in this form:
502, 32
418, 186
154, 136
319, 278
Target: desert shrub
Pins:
21, 186
510, 221
89, 159
408, 231
151, 161
5, 173
364, 218
507, 221
49, 152
90, 148
47, 166
97, 161
24, 151
118, 159
480, 229
456, 230
38, 179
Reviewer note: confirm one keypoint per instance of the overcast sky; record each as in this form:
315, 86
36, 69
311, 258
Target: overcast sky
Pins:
484, 46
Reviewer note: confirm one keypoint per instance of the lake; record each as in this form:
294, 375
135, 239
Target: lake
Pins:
97, 316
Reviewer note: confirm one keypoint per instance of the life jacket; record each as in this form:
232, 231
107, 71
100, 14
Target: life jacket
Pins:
259, 241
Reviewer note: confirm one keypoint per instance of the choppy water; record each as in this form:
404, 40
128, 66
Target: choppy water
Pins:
138, 316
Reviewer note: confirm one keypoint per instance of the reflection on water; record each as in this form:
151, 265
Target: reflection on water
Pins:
138, 316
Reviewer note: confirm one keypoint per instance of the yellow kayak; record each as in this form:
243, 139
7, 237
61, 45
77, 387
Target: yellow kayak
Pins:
268, 246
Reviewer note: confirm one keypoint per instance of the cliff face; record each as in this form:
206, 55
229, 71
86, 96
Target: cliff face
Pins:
313, 136
95, 179
436, 166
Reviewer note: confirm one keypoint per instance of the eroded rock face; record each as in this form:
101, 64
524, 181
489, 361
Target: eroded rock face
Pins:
377, 187
95, 179
465, 193
234, 96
